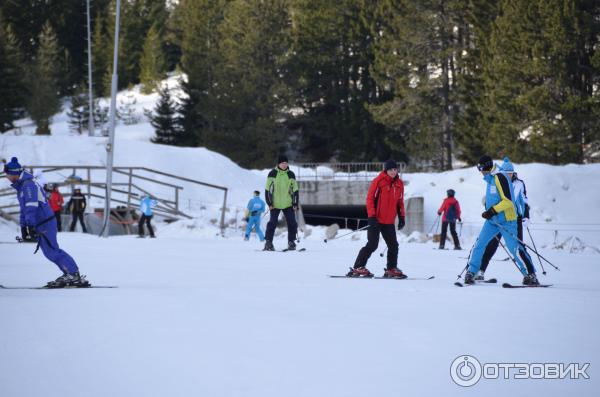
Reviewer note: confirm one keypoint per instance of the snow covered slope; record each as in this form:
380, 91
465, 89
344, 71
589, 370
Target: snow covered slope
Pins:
213, 317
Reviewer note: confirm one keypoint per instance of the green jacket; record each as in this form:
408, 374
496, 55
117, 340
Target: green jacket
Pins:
282, 189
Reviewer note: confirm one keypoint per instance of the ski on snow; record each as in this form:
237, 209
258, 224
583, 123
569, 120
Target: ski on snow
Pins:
283, 250
507, 285
385, 278
489, 281
91, 286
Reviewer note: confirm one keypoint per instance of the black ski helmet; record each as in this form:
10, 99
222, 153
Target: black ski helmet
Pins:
485, 163
450, 192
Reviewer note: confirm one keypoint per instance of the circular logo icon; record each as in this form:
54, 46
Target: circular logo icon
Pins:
465, 371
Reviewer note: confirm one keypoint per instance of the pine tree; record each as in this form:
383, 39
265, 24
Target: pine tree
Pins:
540, 79
102, 55
248, 88
420, 51
199, 43
79, 112
163, 119
330, 70
152, 63
43, 82
12, 86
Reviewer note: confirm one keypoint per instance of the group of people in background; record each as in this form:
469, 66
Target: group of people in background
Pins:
506, 214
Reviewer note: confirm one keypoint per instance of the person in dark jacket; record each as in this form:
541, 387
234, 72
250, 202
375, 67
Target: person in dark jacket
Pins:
450, 209
77, 206
385, 201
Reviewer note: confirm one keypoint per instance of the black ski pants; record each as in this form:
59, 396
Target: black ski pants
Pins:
78, 216
452, 232
388, 232
290, 219
145, 219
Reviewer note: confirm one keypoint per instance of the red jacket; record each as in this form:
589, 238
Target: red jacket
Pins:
385, 199
56, 201
451, 210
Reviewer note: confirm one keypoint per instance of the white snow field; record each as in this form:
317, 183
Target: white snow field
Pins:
216, 317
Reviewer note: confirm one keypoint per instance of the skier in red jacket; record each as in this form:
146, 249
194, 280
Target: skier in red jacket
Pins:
451, 210
56, 202
385, 201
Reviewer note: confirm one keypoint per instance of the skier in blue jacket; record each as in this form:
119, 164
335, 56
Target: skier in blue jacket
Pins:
522, 207
146, 206
501, 218
36, 214
255, 209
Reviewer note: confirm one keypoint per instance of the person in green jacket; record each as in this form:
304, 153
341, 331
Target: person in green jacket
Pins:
281, 194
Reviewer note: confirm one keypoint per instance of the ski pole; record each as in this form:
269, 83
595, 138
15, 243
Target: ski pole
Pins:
433, 224
460, 231
383, 253
538, 255
526, 245
468, 259
511, 258
347, 234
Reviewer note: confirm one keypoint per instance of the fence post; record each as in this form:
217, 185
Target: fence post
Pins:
223, 213
130, 182
89, 184
176, 200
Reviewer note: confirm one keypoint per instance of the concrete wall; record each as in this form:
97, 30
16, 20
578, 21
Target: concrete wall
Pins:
347, 193
333, 192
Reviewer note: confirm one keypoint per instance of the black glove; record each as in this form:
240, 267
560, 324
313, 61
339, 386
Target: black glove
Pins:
401, 222
489, 213
372, 221
24, 232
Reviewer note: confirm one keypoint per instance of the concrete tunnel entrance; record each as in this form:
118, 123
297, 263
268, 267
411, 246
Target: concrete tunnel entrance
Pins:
346, 216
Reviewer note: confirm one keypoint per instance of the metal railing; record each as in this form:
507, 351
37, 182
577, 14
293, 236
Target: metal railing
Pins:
339, 171
136, 182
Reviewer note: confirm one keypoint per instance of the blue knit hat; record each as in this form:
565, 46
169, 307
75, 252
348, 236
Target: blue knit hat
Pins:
507, 166
13, 167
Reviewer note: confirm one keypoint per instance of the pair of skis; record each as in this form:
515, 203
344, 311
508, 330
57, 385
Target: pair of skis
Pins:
384, 278
72, 287
504, 285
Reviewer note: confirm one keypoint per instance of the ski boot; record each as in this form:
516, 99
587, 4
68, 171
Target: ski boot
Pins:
269, 246
469, 278
246, 238
457, 248
441, 247
291, 246
479, 276
394, 273
69, 280
359, 272
530, 279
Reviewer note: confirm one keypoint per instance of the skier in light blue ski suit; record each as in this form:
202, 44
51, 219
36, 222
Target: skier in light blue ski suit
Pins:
255, 208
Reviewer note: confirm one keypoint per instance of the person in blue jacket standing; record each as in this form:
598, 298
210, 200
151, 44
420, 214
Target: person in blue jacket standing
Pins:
255, 208
146, 206
36, 214
501, 218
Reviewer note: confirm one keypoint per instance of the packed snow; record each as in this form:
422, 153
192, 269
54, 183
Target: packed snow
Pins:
199, 314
